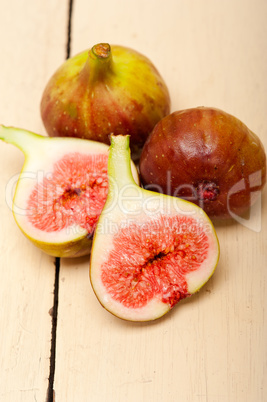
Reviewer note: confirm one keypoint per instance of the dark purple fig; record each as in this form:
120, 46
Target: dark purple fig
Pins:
206, 156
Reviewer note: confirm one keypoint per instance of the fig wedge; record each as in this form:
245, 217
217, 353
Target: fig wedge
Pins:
149, 250
60, 191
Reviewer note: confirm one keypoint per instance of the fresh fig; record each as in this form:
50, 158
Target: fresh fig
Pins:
61, 190
158, 249
207, 156
107, 89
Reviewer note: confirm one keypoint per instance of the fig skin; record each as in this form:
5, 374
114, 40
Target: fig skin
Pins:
104, 90
208, 157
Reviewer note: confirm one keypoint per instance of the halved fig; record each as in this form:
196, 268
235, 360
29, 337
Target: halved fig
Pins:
149, 250
61, 190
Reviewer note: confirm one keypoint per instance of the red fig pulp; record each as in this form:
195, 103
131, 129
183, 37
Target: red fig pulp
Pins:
108, 89
208, 157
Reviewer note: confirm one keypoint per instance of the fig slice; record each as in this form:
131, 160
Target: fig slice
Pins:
60, 191
149, 250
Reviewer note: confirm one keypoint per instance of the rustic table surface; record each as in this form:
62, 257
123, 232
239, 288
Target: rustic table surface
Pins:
56, 341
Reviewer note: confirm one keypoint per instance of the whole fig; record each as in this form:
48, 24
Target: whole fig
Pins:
206, 156
104, 90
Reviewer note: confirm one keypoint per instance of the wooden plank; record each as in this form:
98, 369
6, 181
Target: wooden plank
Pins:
32, 43
213, 346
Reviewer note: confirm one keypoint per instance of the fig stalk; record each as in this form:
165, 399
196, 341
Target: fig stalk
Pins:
22, 139
119, 156
99, 64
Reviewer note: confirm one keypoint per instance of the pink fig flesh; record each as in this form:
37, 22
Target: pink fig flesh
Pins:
73, 194
162, 259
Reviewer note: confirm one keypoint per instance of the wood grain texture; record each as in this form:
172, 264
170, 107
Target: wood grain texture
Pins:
210, 348
213, 346
32, 42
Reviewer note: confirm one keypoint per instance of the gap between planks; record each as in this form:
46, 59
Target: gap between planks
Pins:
50, 390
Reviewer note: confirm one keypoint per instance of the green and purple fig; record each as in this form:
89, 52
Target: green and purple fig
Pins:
107, 89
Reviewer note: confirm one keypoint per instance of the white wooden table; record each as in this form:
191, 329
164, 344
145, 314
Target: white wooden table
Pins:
211, 348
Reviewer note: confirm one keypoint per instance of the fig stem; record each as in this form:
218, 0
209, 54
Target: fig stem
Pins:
22, 139
99, 63
119, 163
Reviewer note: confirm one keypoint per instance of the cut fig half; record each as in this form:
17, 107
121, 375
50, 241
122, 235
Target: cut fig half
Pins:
60, 191
149, 250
